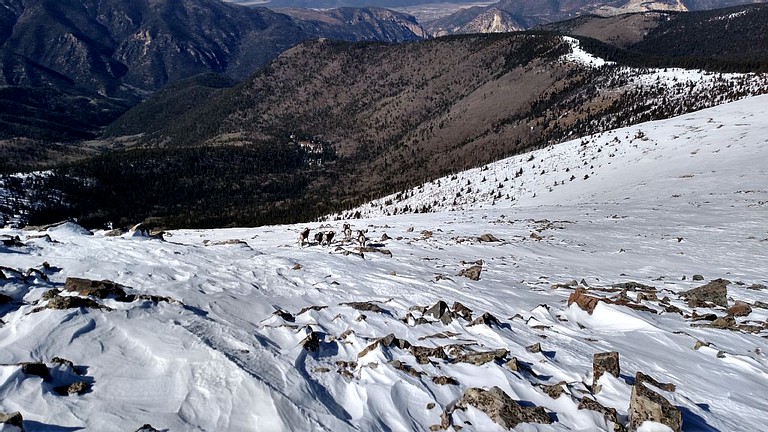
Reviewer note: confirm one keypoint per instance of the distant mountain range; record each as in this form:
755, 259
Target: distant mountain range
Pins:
331, 124
113, 52
240, 122
511, 15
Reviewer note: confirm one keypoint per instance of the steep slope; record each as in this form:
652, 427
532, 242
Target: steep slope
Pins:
242, 329
384, 117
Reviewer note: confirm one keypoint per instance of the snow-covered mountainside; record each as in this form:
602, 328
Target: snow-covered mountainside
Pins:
584, 248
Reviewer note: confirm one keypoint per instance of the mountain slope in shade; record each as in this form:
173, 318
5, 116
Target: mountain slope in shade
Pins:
110, 49
104, 45
242, 329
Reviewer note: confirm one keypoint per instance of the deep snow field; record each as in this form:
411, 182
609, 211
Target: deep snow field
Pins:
230, 343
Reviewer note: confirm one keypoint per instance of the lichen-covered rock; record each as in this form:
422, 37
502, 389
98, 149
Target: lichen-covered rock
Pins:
364, 306
609, 413
444, 380
387, 341
481, 358
464, 312
77, 388
423, 354
92, 288
643, 378
502, 409
554, 391
713, 292
605, 362
72, 302
647, 405
473, 273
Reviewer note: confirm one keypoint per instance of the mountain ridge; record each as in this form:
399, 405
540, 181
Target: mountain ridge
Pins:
116, 52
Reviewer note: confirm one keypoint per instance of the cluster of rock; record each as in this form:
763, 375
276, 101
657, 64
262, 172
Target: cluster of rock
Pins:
711, 296
647, 403
86, 293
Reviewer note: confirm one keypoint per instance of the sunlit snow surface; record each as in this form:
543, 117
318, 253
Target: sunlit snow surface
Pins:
649, 203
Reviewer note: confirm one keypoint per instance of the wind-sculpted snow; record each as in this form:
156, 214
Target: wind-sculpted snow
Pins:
261, 334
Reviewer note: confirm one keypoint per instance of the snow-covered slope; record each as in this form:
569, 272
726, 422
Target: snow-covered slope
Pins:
248, 331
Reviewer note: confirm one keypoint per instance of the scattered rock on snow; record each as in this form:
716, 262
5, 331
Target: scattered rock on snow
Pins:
364, 306
37, 369
554, 391
582, 300
473, 273
535, 348
71, 302
647, 405
726, 322
13, 419
440, 311
92, 288
481, 358
643, 378
713, 292
78, 388
488, 238
698, 277
605, 362
462, 311
501, 408
609, 413
147, 428
739, 309
486, 318
444, 380
311, 343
